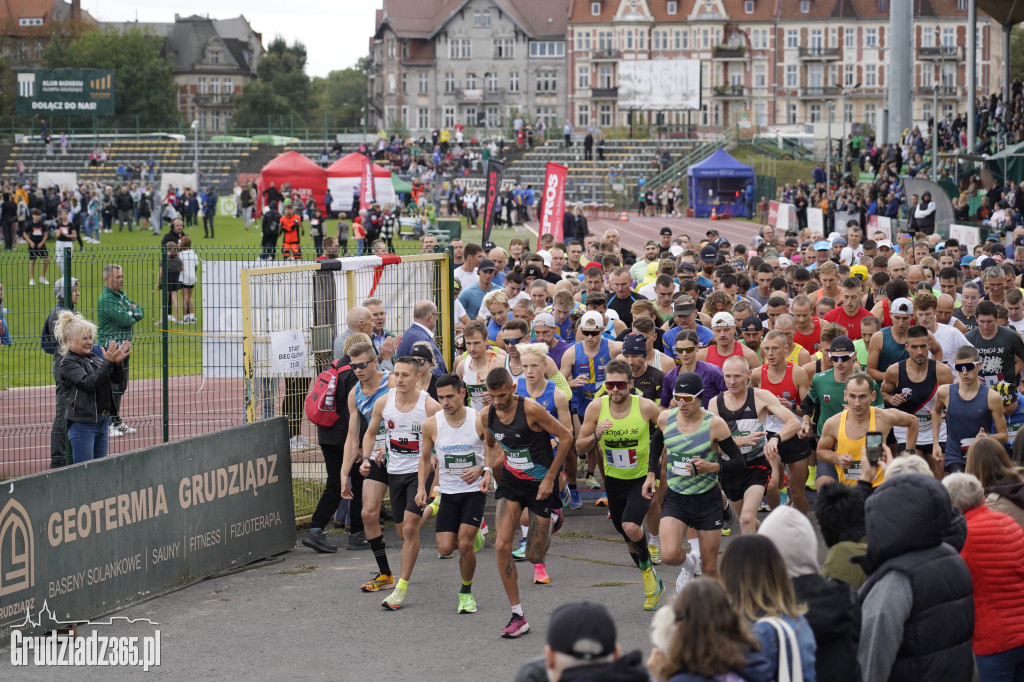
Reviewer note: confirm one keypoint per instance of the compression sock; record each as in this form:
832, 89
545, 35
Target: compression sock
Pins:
377, 546
403, 585
695, 547
643, 554
518, 610
526, 530
572, 486
636, 558
812, 472
467, 586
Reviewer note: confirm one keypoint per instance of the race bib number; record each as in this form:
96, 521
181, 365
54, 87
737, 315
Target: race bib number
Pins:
476, 392
966, 443
682, 467
853, 472
459, 462
924, 422
1012, 430
519, 460
404, 447
621, 458
744, 449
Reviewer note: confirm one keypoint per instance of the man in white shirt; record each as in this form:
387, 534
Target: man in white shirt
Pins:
949, 337
853, 250
466, 273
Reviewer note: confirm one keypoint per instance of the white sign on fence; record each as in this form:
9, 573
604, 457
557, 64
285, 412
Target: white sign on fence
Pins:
287, 351
816, 220
967, 235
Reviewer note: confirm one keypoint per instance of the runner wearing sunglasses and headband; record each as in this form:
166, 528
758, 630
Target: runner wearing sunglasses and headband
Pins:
910, 386
975, 408
685, 355
619, 423
698, 447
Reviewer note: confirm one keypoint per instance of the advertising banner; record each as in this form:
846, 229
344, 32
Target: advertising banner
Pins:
85, 540
65, 91
495, 173
553, 202
366, 187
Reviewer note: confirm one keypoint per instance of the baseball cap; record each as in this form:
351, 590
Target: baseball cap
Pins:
941, 245
422, 352
840, 241
711, 233
842, 344
1007, 392
592, 320
821, 246
860, 271
723, 319
785, 262
722, 242
751, 324
983, 263
885, 243
592, 265
687, 266
546, 255
488, 245
533, 271
966, 260
486, 264
792, 241
58, 286
545, 320
634, 344
583, 630
1019, 241
666, 231
689, 383
684, 306
709, 254
903, 306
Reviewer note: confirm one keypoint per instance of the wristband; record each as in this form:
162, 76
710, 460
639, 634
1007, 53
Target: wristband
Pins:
488, 470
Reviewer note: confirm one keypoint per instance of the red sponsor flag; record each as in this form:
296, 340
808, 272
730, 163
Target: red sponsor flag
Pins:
553, 198
495, 174
773, 213
366, 193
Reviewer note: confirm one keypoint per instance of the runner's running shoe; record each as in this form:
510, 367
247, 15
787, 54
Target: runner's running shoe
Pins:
653, 589
685, 573
517, 627
540, 575
467, 604
655, 552
394, 600
478, 542
378, 582
574, 500
592, 483
519, 554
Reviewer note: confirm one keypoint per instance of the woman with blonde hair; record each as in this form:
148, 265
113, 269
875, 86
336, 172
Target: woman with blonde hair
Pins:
1003, 482
701, 638
756, 578
496, 303
89, 380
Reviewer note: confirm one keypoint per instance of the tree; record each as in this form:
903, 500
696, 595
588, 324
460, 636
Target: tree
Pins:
144, 87
282, 92
340, 97
1017, 53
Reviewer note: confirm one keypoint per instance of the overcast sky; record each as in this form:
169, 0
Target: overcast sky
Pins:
336, 33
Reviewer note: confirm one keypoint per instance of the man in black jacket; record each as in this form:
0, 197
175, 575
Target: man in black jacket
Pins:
271, 230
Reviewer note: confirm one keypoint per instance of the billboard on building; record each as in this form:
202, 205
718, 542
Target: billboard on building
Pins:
65, 91
659, 85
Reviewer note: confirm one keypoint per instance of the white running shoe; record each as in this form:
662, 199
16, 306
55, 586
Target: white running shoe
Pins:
114, 432
685, 573
124, 428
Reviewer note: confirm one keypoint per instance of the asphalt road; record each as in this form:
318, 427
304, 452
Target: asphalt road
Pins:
304, 616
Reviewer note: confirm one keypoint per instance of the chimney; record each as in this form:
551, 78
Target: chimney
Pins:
76, 10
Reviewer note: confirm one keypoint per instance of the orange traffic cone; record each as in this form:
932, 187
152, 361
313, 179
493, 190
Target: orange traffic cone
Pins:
714, 213
623, 217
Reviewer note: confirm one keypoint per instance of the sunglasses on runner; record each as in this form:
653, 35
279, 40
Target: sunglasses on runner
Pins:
512, 342
965, 366
687, 350
616, 385
839, 358
363, 365
592, 333
686, 397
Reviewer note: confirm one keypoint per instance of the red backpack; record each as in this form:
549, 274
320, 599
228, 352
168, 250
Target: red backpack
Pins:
320, 407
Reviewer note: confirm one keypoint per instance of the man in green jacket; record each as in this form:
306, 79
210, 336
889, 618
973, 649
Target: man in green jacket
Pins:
117, 317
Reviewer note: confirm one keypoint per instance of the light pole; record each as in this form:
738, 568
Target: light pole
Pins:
195, 131
935, 132
842, 136
831, 106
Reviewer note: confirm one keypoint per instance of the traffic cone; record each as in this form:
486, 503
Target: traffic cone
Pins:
623, 217
714, 213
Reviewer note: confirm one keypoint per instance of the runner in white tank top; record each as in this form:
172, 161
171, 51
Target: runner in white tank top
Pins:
403, 433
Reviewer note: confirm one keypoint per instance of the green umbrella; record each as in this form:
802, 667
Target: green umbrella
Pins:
400, 185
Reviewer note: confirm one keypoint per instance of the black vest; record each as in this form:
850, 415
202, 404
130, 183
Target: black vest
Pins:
937, 635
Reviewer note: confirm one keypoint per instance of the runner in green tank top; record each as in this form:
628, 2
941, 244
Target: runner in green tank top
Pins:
620, 424
698, 447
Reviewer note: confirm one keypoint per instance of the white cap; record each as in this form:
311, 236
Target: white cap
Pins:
676, 250
723, 319
546, 255
902, 306
885, 242
784, 262
592, 320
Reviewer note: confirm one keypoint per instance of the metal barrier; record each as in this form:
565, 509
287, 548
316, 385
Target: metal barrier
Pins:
307, 304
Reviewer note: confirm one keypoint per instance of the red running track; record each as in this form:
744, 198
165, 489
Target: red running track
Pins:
639, 229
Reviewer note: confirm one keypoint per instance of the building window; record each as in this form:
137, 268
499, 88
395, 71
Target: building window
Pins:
202, 85
583, 76
215, 59
927, 76
870, 111
805, 6
815, 113
848, 112
848, 36
214, 86
792, 38
504, 48
641, 39
583, 115
547, 48
871, 37
216, 120
761, 114
228, 88
493, 117
513, 82
30, 21
605, 41
471, 118
791, 112
449, 117
883, 5
659, 40
604, 115
391, 83
583, 41
748, 6
424, 84
629, 40
547, 81
849, 73
948, 37
736, 79
491, 78
961, 5
482, 18
604, 77
760, 39
404, 115
405, 87
595, 9
704, 114
470, 81
791, 75
449, 82
422, 118
673, 7
705, 39
550, 116
460, 48
202, 119
870, 75
760, 76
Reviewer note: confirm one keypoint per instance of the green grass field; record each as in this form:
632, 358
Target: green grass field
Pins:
25, 364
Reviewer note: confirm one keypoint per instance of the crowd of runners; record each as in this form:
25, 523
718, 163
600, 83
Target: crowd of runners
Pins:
695, 384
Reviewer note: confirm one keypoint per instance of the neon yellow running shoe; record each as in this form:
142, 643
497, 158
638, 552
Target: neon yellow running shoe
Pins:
653, 589
467, 604
478, 541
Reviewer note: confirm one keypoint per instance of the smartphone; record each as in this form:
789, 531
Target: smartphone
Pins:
873, 444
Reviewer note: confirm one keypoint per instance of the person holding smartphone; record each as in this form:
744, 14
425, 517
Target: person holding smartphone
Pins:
842, 438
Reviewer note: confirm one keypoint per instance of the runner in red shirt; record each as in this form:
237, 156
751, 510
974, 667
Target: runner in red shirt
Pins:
808, 327
851, 312
724, 327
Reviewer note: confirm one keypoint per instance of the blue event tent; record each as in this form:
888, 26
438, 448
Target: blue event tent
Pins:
719, 178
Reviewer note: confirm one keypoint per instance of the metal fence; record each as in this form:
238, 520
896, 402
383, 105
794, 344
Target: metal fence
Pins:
181, 381
308, 302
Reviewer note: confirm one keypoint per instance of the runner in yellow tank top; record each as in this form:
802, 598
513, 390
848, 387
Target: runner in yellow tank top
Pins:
842, 437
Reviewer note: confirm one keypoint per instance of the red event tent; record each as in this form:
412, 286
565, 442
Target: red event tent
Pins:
294, 169
344, 174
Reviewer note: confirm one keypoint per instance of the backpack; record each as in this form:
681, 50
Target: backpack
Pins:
320, 407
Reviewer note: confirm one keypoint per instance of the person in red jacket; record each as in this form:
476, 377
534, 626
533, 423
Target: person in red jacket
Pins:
291, 227
993, 551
